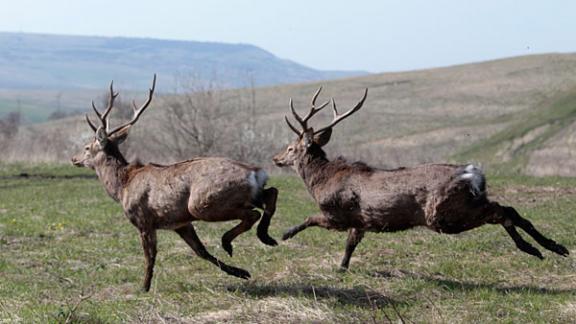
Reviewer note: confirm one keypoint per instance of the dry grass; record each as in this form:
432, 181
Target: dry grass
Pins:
70, 255
409, 118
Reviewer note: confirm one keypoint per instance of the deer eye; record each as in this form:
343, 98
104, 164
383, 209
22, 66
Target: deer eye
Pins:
87, 148
290, 149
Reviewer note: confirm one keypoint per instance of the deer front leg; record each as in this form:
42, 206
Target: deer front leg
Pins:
188, 234
248, 219
148, 239
354, 237
269, 197
315, 220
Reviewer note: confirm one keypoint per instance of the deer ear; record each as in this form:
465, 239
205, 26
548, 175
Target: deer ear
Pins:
101, 136
308, 138
121, 135
323, 138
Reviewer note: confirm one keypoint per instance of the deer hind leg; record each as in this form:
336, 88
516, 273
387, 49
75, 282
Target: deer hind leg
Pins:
188, 234
315, 220
509, 218
248, 220
148, 239
354, 237
527, 227
269, 197
521, 243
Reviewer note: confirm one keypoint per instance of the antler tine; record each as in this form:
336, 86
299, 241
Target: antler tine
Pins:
338, 118
96, 110
94, 128
313, 108
113, 96
138, 111
103, 117
292, 126
298, 118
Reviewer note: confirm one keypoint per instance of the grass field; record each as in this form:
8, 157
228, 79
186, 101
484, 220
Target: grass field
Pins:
67, 254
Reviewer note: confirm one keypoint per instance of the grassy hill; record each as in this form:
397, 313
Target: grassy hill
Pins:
506, 114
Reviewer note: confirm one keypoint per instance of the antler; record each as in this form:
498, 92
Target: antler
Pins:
313, 110
338, 118
104, 117
138, 111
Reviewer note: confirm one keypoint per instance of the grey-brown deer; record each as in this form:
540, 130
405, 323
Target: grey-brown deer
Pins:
445, 198
173, 196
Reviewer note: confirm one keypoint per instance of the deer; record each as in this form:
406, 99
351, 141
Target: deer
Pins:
172, 197
358, 198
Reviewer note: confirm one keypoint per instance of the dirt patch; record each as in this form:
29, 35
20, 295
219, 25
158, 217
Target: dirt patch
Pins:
530, 195
557, 156
270, 310
507, 153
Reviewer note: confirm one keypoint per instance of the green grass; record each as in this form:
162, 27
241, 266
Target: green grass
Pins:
68, 254
551, 116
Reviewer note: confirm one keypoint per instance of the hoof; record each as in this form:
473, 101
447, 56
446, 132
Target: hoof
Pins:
342, 269
288, 234
240, 273
266, 239
227, 246
560, 249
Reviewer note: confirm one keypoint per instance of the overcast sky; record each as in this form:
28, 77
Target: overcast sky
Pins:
375, 36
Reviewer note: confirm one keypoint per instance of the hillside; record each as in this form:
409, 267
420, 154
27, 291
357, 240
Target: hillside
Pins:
475, 112
37, 61
35, 68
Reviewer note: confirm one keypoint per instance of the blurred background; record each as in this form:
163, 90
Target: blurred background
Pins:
489, 82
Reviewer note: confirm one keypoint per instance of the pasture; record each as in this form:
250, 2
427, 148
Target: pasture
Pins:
67, 254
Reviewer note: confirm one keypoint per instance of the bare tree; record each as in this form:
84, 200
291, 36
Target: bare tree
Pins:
9, 126
203, 119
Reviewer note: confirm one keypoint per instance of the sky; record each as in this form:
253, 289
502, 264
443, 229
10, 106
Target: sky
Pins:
374, 36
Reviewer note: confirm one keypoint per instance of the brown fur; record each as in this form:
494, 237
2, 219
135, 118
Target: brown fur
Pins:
173, 196
359, 198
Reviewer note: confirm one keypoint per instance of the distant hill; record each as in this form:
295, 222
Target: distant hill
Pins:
511, 115
38, 61
42, 74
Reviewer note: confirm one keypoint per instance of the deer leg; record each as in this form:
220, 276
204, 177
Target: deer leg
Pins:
521, 243
246, 224
354, 237
315, 220
188, 234
269, 197
148, 239
527, 226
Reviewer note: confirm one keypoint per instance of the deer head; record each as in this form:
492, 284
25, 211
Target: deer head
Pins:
308, 139
106, 141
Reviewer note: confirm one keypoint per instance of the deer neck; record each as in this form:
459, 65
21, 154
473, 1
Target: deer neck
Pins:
112, 171
311, 169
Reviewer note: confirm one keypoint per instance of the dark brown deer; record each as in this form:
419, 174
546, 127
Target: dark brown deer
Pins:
173, 196
445, 198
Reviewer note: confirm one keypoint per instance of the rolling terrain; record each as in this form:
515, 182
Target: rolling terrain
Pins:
67, 253
510, 114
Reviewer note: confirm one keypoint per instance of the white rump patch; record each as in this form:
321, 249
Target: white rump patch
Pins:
257, 180
476, 177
